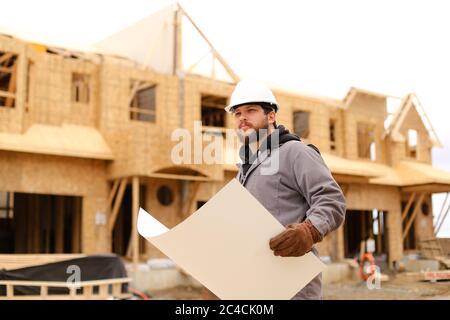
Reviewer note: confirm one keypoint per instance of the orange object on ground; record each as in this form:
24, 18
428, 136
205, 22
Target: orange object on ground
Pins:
367, 257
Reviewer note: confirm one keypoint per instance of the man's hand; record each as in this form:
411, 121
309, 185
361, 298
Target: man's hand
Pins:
296, 240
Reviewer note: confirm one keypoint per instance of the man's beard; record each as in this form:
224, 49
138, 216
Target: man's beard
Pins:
256, 134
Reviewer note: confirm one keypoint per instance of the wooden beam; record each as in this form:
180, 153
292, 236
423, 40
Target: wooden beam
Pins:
214, 51
115, 210
6, 70
135, 209
12, 85
177, 41
413, 216
192, 67
133, 92
6, 57
7, 94
112, 194
345, 178
428, 187
408, 206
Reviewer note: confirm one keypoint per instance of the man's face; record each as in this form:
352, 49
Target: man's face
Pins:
250, 118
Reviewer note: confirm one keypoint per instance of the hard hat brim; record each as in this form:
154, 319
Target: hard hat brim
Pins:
231, 107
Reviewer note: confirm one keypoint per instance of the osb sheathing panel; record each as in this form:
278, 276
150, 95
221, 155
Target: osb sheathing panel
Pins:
397, 150
139, 147
370, 110
337, 115
413, 121
11, 118
50, 100
94, 238
33, 173
318, 118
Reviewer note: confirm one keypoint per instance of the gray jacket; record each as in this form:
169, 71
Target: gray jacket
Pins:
293, 183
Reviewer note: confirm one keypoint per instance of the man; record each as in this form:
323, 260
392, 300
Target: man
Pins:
288, 177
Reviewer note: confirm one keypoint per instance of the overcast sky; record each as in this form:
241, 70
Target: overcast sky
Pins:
321, 47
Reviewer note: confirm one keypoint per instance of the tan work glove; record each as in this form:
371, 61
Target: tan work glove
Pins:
296, 240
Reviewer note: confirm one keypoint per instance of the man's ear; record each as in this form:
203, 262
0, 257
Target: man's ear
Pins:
271, 117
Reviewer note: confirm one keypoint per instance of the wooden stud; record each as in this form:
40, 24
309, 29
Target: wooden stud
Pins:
438, 219
6, 57
12, 86
118, 201
72, 292
135, 209
177, 42
117, 289
88, 291
112, 194
413, 216
44, 292
408, 206
9, 291
231, 73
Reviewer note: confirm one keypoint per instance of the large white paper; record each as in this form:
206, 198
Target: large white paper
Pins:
225, 246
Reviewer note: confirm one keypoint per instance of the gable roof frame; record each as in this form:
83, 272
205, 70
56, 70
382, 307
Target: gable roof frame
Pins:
156, 42
411, 101
216, 55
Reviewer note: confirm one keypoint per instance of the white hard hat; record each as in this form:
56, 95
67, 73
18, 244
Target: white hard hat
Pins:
251, 92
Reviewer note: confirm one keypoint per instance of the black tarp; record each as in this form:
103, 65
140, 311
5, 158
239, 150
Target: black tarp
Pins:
97, 267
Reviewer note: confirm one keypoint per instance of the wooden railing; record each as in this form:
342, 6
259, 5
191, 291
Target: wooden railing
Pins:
83, 290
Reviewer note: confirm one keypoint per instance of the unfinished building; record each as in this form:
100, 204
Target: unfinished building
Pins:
85, 139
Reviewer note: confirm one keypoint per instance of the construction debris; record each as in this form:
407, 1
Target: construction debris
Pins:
436, 275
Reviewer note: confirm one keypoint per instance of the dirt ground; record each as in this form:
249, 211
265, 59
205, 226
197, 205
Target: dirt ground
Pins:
398, 288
